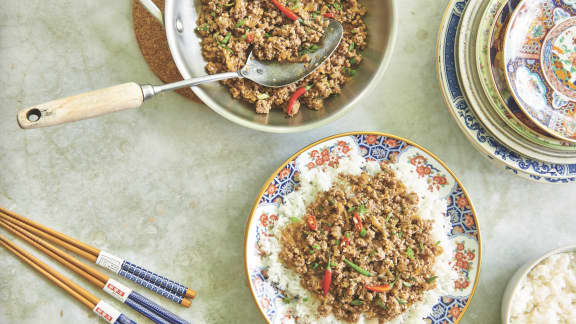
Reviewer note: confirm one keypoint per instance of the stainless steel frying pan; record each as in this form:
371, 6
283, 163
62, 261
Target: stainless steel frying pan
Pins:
179, 20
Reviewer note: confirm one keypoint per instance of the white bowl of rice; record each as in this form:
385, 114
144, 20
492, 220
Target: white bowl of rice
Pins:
543, 290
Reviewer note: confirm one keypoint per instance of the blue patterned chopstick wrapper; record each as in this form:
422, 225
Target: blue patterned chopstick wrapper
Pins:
152, 306
160, 291
111, 314
123, 319
173, 287
141, 304
146, 312
119, 265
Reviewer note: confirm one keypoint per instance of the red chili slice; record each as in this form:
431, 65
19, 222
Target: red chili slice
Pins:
285, 10
345, 241
250, 37
383, 288
357, 222
299, 92
329, 15
311, 221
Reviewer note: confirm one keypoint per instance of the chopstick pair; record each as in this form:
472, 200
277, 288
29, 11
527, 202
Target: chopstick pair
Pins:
141, 304
98, 306
167, 288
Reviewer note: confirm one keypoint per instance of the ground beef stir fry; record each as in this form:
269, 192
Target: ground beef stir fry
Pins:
230, 29
381, 252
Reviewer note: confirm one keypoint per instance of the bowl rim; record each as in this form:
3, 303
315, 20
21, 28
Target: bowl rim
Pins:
518, 276
207, 100
323, 140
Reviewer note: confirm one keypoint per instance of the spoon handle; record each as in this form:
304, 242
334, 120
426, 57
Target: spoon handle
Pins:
103, 101
150, 90
82, 106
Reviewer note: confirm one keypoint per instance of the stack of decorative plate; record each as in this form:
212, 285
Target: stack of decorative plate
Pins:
507, 69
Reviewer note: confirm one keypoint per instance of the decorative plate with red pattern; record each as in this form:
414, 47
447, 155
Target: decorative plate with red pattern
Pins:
379, 147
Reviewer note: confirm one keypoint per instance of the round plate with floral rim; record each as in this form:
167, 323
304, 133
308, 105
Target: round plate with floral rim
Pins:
540, 61
484, 141
370, 146
491, 71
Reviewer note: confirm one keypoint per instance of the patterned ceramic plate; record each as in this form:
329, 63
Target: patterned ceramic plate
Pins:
491, 70
459, 107
540, 60
496, 54
470, 81
379, 147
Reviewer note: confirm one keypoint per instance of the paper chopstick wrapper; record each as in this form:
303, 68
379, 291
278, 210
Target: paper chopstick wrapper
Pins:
132, 272
117, 290
107, 312
110, 261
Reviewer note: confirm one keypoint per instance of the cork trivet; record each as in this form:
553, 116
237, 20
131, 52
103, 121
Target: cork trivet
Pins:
154, 46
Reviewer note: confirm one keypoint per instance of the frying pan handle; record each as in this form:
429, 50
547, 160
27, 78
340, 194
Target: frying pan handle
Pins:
82, 106
153, 10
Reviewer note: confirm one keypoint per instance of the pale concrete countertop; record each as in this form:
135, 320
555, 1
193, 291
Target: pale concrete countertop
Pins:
171, 185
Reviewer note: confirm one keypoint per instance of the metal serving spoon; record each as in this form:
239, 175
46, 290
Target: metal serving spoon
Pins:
132, 95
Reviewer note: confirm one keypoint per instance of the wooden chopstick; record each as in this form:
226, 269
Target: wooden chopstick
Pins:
145, 306
78, 292
48, 236
55, 280
92, 275
90, 249
91, 253
98, 306
16, 225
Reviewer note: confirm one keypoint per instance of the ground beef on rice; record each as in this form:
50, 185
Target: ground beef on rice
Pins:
230, 29
395, 245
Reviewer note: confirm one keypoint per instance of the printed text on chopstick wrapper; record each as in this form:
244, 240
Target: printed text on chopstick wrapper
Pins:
107, 312
117, 290
109, 261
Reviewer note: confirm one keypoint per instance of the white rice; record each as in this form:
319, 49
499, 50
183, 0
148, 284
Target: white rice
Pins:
430, 207
548, 293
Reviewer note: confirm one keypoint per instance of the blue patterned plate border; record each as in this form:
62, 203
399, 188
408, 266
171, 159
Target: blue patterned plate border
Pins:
372, 146
460, 109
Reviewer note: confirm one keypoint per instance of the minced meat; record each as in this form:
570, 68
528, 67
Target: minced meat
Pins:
230, 29
373, 222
